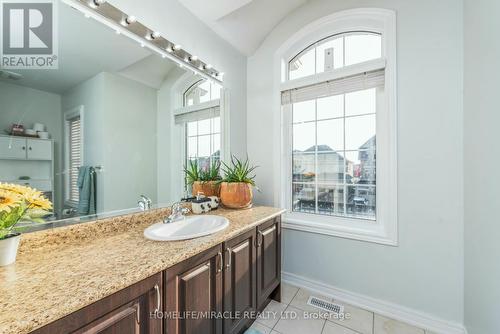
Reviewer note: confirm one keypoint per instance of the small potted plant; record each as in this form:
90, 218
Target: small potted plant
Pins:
237, 183
18, 203
204, 181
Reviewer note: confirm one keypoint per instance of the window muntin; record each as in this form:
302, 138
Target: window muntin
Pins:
201, 92
336, 52
203, 141
334, 155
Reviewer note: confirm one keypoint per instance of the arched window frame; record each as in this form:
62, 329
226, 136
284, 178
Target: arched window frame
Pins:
379, 21
179, 133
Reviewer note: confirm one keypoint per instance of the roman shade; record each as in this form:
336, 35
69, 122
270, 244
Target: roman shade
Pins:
338, 86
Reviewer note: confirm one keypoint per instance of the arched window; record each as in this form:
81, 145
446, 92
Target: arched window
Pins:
201, 119
335, 52
339, 126
200, 92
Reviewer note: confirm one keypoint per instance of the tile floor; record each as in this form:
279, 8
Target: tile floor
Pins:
294, 316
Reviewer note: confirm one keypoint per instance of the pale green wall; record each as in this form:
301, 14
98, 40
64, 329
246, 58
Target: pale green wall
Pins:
482, 158
425, 272
120, 135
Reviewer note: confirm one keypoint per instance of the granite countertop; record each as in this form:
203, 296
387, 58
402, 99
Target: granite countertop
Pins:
61, 270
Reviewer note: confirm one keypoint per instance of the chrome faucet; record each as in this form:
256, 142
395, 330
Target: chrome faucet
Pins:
145, 203
177, 213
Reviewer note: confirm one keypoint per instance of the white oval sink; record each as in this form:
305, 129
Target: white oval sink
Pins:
188, 228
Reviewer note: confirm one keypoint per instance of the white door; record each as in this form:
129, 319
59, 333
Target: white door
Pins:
39, 149
12, 148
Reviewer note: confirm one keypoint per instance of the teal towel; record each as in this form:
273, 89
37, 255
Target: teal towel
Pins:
87, 191
252, 331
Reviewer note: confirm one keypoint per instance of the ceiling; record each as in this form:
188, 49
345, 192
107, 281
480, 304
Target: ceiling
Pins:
243, 23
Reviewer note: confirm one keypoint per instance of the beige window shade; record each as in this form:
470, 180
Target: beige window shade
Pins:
197, 115
334, 87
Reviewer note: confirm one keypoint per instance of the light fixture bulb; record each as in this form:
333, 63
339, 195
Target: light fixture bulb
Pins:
177, 47
128, 20
96, 3
169, 49
193, 58
208, 66
155, 34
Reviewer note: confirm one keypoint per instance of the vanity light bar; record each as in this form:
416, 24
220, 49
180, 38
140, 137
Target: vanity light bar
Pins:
129, 26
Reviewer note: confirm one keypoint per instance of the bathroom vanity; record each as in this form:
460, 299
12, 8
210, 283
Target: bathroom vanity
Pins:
105, 277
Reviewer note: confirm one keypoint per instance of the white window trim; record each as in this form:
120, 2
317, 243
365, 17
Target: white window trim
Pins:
178, 90
385, 229
69, 114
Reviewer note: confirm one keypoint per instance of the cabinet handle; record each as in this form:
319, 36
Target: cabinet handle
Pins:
158, 298
260, 236
24, 148
221, 262
30, 148
229, 251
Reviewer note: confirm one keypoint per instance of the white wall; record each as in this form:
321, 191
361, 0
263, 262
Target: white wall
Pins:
425, 272
28, 106
177, 24
482, 118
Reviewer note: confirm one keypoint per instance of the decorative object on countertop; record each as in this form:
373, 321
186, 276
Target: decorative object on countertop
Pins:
205, 180
18, 203
236, 185
203, 204
17, 130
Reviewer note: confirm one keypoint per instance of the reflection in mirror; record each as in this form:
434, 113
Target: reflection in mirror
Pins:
108, 125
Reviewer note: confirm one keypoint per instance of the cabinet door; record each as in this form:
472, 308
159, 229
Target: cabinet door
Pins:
39, 149
128, 311
239, 281
193, 294
12, 148
268, 259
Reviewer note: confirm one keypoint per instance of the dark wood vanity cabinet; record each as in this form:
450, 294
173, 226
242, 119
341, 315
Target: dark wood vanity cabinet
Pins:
215, 292
193, 294
240, 274
232, 280
268, 261
128, 311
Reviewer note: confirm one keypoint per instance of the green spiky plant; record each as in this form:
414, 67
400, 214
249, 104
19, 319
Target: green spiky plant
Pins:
192, 171
238, 171
212, 173
195, 173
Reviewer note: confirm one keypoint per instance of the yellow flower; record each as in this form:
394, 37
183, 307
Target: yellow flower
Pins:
32, 196
8, 200
16, 188
36, 199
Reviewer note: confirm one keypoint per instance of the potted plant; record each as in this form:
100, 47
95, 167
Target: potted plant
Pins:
237, 183
204, 181
18, 203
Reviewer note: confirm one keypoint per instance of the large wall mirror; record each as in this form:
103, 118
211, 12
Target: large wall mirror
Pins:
115, 121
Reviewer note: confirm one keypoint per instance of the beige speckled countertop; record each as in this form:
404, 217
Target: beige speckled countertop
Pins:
61, 270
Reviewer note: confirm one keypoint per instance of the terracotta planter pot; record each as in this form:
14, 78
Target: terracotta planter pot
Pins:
208, 188
236, 195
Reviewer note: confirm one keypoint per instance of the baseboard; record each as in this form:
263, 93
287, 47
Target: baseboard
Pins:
387, 309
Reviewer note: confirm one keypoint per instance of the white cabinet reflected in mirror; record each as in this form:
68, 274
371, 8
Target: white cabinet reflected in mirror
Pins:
113, 122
